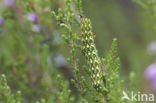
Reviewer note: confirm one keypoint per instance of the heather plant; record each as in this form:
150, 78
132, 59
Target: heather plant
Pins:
5, 92
101, 72
51, 56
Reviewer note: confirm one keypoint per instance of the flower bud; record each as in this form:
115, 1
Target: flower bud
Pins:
9, 3
1, 21
32, 17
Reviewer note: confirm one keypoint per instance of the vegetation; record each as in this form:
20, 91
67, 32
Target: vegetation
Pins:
51, 56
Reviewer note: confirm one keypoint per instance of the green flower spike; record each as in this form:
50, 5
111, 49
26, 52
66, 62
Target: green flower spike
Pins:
91, 56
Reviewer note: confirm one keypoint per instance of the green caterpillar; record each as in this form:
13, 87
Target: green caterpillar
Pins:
91, 55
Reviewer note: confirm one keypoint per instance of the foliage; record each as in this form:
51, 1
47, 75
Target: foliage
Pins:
5, 93
48, 63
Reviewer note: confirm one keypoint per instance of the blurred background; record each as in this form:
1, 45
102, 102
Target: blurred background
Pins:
134, 28
26, 25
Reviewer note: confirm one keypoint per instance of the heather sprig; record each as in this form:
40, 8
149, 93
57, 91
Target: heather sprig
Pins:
63, 94
103, 74
67, 22
148, 5
141, 3
79, 6
6, 95
111, 66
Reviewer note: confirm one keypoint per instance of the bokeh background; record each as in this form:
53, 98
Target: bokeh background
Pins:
20, 60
